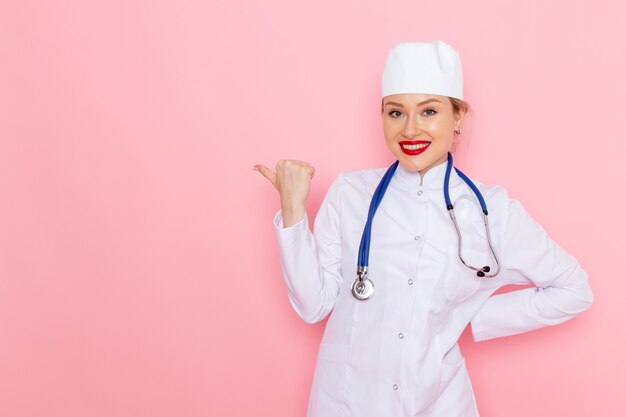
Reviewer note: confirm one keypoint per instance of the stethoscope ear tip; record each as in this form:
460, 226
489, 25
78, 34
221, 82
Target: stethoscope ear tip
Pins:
485, 269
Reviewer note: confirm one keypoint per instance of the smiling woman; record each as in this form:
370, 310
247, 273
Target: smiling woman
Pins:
413, 123
393, 351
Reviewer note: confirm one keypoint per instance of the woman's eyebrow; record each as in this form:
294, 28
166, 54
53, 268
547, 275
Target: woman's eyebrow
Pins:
419, 104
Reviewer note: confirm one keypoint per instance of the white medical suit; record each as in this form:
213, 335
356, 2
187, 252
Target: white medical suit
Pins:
396, 354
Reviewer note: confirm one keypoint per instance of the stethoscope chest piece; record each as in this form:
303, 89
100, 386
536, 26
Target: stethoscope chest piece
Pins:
362, 289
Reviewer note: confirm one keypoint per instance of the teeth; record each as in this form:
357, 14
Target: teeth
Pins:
414, 147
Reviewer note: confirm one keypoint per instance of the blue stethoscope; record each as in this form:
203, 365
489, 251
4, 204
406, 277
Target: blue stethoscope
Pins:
362, 287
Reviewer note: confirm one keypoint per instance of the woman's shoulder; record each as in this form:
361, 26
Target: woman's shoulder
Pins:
362, 179
495, 193
364, 173
493, 189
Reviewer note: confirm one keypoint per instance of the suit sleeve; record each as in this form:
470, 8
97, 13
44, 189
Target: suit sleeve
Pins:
311, 262
529, 256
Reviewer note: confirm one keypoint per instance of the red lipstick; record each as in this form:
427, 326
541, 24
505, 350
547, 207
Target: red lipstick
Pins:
413, 152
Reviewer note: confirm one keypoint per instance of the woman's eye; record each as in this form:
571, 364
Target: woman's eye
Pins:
397, 113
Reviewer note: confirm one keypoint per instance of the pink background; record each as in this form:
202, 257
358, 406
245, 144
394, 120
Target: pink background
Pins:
139, 271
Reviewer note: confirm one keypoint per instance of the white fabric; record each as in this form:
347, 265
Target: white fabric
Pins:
423, 67
362, 354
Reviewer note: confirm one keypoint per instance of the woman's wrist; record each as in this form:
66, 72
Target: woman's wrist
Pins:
292, 215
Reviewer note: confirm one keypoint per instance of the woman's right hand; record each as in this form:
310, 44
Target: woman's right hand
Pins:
292, 179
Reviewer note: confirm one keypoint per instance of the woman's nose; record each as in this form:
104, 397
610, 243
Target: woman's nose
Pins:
411, 127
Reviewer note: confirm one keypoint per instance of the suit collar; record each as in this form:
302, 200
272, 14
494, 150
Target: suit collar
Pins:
433, 178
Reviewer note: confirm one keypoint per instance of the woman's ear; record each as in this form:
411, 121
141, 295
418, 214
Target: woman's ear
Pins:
460, 116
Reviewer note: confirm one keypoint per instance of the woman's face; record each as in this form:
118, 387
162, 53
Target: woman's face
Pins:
417, 120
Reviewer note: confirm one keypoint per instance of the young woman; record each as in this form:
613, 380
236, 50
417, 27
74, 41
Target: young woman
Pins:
404, 257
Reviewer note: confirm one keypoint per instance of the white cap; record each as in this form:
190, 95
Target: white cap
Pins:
423, 67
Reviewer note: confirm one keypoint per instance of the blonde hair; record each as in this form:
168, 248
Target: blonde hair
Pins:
458, 105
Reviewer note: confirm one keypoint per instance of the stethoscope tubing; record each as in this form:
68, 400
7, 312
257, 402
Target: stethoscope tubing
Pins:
364, 248
446, 183
363, 256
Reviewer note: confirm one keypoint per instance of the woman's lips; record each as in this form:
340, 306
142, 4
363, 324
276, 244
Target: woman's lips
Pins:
413, 152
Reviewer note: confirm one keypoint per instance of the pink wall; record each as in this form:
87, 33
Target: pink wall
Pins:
139, 272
